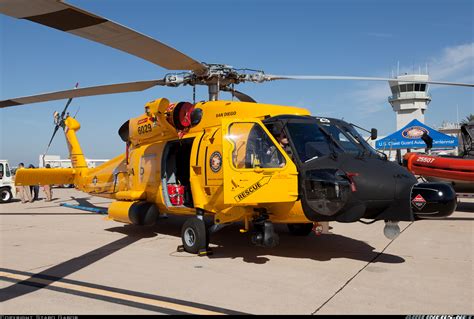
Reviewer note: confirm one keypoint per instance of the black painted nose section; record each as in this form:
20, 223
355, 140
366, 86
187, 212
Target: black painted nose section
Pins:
433, 200
346, 189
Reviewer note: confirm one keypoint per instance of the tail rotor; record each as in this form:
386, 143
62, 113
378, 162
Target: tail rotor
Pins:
59, 122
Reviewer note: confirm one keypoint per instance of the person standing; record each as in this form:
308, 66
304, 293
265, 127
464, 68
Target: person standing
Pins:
47, 189
34, 189
24, 191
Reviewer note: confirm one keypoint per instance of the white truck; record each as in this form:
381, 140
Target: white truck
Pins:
7, 185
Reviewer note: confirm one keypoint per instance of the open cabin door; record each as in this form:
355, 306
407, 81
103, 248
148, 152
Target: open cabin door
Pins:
256, 169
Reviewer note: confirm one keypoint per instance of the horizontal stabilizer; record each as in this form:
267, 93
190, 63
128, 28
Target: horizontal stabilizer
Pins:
44, 176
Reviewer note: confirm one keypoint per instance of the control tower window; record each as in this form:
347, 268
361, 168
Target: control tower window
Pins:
411, 87
419, 87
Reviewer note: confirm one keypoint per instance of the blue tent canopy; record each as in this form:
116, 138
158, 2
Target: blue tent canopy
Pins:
410, 137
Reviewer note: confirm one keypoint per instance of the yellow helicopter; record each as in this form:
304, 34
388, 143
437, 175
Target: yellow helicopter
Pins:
237, 161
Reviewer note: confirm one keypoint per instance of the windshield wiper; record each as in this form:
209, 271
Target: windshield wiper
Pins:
331, 141
312, 158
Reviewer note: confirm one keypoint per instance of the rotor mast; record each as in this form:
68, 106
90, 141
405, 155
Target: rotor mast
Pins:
213, 92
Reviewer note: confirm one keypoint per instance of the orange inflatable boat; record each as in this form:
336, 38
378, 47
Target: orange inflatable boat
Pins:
458, 171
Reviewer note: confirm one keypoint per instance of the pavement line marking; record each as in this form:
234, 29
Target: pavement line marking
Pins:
111, 294
360, 270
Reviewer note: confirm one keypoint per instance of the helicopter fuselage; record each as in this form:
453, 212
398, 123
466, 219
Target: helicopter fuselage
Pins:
223, 166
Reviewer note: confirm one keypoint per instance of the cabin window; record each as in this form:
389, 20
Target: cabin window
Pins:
1, 171
253, 147
7, 171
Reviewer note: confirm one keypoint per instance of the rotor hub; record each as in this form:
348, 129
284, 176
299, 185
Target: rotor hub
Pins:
221, 74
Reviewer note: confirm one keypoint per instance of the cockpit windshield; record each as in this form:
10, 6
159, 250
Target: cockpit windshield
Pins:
350, 140
312, 140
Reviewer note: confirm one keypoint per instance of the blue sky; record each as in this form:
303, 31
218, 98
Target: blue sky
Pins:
358, 38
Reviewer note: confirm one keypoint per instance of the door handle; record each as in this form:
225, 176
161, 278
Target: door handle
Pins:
258, 170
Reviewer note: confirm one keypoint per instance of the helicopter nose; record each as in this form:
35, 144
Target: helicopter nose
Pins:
355, 189
433, 200
371, 189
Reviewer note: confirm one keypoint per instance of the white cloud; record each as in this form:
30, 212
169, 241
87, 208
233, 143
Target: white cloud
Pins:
372, 98
453, 64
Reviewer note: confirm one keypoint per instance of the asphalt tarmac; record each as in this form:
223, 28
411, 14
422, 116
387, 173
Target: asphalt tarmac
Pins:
57, 260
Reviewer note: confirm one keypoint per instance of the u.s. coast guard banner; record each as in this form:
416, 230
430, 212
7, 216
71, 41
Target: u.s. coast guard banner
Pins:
410, 137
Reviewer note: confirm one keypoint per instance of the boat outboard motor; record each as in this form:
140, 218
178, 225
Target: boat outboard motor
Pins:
428, 141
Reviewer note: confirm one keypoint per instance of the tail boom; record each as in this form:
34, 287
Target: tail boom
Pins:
45, 176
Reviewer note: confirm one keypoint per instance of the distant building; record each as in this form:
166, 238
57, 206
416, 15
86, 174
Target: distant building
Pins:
56, 161
452, 129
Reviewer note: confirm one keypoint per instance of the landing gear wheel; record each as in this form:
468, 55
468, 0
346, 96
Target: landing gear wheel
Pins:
137, 212
194, 235
5, 195
300, 229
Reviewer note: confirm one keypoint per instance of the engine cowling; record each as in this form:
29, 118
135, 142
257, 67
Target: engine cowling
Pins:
161, 119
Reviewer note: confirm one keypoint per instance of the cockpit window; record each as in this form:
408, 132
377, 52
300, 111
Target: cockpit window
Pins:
310, 141
347, 140
253, 147
353, 132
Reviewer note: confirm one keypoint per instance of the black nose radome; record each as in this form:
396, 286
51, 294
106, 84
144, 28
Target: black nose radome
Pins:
433, 200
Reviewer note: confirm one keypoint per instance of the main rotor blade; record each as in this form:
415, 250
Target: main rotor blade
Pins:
241, 96
67, 18
89, 91
269, 77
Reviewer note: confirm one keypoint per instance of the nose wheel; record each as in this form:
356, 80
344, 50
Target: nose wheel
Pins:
264, 234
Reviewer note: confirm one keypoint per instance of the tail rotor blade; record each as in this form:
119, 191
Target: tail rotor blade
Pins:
68, 102
52, 137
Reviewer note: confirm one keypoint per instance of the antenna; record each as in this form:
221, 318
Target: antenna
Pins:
78, 109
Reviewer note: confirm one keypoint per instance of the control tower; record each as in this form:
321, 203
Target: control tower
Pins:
409, 99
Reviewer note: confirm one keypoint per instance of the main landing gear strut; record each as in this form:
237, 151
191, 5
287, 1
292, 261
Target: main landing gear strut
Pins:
264, 233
